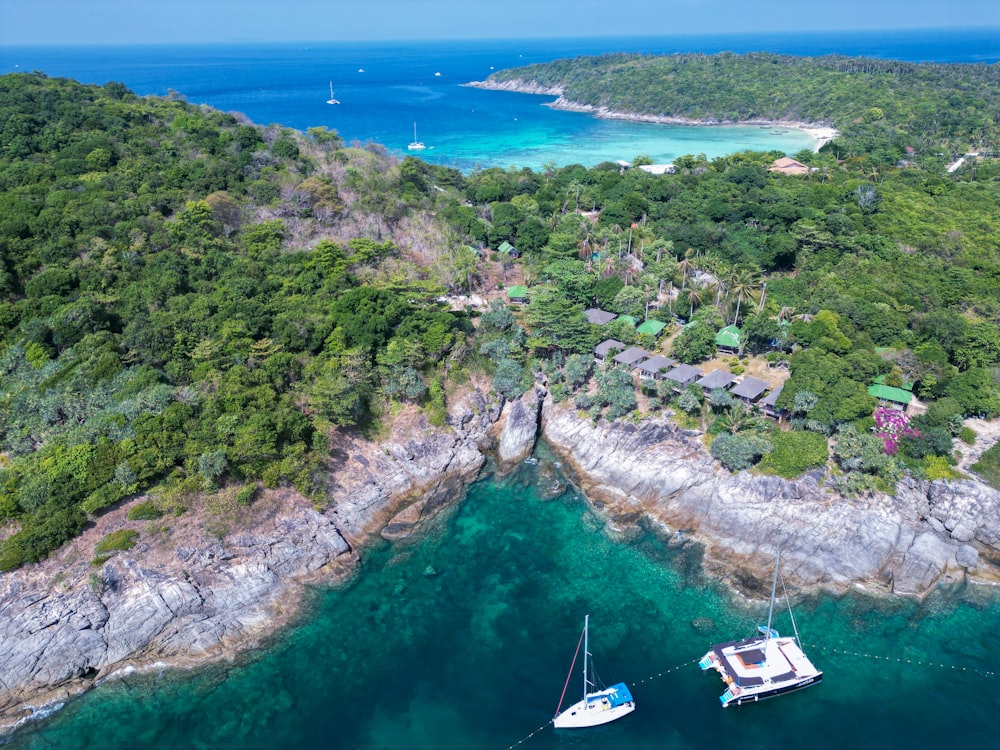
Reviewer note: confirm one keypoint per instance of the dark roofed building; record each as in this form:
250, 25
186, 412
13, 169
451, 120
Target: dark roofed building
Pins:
750, 389
599, 317
602, 350
768, 403
656, 367
717, 379
683, 375
631, 357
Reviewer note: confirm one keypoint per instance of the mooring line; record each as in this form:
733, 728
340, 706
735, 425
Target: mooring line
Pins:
647, 679
668, 671
900, 660
529, 736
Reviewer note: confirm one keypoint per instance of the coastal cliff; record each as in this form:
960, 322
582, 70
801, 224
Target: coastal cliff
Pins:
200, 587
658, 474
197, 592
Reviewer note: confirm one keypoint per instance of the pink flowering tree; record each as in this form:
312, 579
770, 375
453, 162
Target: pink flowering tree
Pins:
892, 425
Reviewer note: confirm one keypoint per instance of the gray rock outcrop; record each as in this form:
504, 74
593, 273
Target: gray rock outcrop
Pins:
519, 429
656, 472
202, 591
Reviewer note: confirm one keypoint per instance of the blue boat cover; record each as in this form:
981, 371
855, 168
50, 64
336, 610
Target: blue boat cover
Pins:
618, 695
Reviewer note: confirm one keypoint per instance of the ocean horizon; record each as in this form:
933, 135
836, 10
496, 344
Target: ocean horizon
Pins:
389, 89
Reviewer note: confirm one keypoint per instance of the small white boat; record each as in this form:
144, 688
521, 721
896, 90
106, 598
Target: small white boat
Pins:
416, 145
764, 665
600, 705
332, 100
437, 74
361, 70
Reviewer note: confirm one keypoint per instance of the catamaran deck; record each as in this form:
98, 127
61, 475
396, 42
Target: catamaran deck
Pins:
760, 667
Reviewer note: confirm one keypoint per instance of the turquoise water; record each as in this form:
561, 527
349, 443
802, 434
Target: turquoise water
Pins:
463, 127
462, 638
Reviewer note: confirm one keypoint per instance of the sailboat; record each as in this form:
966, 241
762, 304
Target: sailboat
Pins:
331, 100
599, 705
416, 145
764, 665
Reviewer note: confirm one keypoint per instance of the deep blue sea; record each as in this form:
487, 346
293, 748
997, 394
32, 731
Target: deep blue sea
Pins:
387, 88
461, 637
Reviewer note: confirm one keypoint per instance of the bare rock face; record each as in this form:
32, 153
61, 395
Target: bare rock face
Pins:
519, 429
909, 542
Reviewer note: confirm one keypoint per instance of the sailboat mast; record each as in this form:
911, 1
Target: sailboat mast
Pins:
774, 587
586, 651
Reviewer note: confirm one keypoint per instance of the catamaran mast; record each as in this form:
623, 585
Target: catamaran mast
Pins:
586, 651
774, 588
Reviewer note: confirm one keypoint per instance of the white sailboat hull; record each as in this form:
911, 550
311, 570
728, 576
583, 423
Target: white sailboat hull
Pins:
592, 711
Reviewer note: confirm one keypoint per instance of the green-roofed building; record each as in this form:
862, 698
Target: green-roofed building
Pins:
652, 327
897, 398
880, 380
629, 319
729, 339
517, 295
507, 249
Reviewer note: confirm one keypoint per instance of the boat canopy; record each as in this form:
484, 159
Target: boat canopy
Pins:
617, 695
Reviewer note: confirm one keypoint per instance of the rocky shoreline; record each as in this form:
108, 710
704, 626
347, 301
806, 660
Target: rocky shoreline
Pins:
822, 132
198, 593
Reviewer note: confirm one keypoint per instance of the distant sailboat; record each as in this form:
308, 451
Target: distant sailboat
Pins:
416, 145
331, 100
600, 705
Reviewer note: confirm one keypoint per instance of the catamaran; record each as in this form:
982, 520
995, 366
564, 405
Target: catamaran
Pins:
764, 665
416, 145
331, 100
600, 705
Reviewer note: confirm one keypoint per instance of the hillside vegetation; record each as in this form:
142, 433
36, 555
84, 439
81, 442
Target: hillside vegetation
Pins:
930, 106
191, 301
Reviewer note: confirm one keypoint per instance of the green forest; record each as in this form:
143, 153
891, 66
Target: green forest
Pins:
191, 302
880, 106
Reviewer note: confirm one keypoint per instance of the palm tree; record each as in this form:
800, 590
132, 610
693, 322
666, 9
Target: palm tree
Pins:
743, 285
696, 296
684, 266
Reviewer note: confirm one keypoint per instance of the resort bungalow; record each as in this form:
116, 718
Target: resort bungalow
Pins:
786, 165
750, 389
599, 317
658, 168
717, 379
517, 295
652, 327
602, 350
729, 340
655, 368
631, 357
894, 398
768, 404
507, 249
682, 376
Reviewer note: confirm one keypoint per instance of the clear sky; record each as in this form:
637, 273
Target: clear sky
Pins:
165, 21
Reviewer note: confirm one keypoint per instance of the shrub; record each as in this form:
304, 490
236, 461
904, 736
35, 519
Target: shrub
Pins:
144, 511
967, 435
120, 540
741, 450
246, 494
988, 466
795, 453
